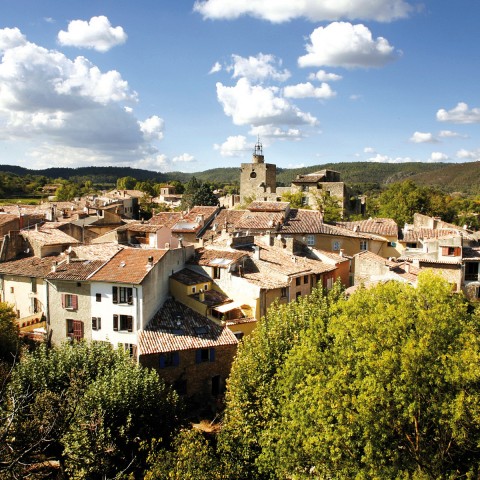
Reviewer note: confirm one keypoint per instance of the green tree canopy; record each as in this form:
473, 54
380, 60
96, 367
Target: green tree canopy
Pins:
204, 196
126, 183
85, 405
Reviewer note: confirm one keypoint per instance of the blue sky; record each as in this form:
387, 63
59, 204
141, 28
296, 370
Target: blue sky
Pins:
179, 85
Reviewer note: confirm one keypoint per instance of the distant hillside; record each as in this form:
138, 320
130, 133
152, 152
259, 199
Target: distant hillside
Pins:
461, 177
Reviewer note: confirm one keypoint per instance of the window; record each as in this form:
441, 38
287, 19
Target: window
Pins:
310, 240
298, 294
329, 283
205, 287
304, 200
391, 244
305, 279
96, 323
363, 245
239, 335
216, 385
283, 292
180, 386
298, 281
69, 302
12, 289
169, 359
122, 295
336, 245
451, 251
216, 272
194, 289
471, 271
98, 297
131, 349
74, 329
123, 323
205, 355
33, 282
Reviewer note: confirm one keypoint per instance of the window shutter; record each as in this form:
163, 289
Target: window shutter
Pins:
130, 296
457, 251
77, 329
99, 323
198, 356
75, 302
212, 355
130, 323
161, 360
176, 359
134, 352
115, 323
115, 294
444, 251
63, 300
94, 323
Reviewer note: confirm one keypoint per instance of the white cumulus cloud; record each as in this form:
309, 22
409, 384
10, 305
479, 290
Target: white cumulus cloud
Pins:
184, 158
323, 76
97, 34
379, 158
257, 105
437, 157
315, 10
473, 155
450, 134
342, 44
459, 114
258, 68
273, 132
234, 146
217, 67
307, 90
152, 128
420, 137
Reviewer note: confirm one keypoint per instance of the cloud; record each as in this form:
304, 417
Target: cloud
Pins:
323, 76
184, 158
158, 163
257, 105
258, 68
368, 150
97, 34
419, 137
60, 106
437, 157
473, 155
217, 67
152, 128
460, 114
234, 146
278, 11
355, 96
272, 132
307, 90
342, 44
379, 158
450, 134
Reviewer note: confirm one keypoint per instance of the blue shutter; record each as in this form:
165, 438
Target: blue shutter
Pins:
176, 359
162, 360
198, 356
212, 354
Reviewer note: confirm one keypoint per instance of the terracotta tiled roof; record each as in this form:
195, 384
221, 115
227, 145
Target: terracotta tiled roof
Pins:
104, 251
260, 220
75, 270
119, 194
309, 178
168, 219
412, 235
189, 277
143, 227
49, 236
213, 298
470, 253
258, 206
129, 265
378, 226
28, 266
228, 218
176, 327
206, 211
8, 217
216, 258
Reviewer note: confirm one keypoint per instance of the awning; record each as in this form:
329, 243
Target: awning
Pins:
227, 307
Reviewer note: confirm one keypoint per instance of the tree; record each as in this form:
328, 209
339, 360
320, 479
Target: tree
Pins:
9, 335
204, 196
389, 390
329, 205
86, 406
295, 199
126, 183
190, 189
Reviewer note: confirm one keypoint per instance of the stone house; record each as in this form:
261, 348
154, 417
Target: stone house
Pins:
188, 351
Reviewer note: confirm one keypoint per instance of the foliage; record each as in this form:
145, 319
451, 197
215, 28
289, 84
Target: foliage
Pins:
387, 387
188, 195
126, 183
9, 339
204, 196
191, 458
329, 205
295, 199
82, 396
252, 396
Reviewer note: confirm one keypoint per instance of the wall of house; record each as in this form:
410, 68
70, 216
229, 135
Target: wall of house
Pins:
235, 287
165, 236
58, 315
198, 376
17, 291
252, 175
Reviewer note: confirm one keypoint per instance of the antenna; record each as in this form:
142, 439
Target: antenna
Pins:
258, 147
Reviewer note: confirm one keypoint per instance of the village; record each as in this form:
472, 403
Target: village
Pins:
180, 290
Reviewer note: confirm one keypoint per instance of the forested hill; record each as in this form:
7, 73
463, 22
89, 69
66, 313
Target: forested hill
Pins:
464, 177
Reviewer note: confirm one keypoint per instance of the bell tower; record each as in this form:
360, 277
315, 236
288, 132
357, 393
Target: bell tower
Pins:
257, 179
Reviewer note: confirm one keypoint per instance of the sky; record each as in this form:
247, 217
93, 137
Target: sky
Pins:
185, 85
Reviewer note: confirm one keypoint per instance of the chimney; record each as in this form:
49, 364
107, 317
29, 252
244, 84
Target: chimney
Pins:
256, 252
407, 267
54, 266
150, 263
201, 296
342, 252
